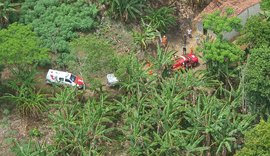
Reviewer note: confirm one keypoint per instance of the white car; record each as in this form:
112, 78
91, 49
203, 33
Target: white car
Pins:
64, 78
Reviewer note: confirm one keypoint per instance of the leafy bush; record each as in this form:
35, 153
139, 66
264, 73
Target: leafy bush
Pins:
56, 22
126, 9
162, 18
265, 5
221, 57
257, 141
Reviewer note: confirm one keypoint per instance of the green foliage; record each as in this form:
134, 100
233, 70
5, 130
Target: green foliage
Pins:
220, 129
81, 131
154, 116
257, 141
126, 9
22, 76
219, 23
221, 51
56, 22
35, 132
20, 46
219, 56
161, 19
145, 36
28, 103
163, 60
29, 148
159, 118
257, 79
265, 5
255, 33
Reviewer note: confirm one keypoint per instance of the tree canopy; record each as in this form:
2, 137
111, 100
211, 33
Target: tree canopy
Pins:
258, 78
221, 22
257, 141
265, 5
19, 45
256, 32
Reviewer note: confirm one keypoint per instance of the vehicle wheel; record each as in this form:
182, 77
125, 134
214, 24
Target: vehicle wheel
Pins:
196, 64
48, 82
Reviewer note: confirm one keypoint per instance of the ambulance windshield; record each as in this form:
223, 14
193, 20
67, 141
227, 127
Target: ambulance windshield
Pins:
72, 78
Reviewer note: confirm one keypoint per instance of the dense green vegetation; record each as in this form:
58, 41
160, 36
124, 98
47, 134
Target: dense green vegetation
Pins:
56, 22
26, 46
222, 109
256, 140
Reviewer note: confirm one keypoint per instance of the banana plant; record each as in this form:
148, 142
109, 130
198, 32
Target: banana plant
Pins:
82, 130
145, 36
162, 18
163, 60
219, 122
28, 102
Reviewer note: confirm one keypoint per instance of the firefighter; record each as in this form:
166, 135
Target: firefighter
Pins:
164, 41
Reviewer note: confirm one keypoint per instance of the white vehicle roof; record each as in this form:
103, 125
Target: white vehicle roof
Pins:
59, 73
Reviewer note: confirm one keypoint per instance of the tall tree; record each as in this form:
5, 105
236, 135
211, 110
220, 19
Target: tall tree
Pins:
256, 32
257, 79
220, 55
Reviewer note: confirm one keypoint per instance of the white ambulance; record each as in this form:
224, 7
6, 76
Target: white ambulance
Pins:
64, 78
